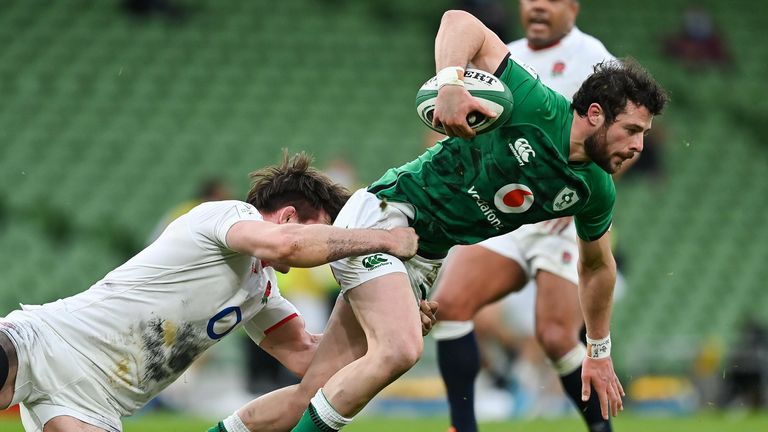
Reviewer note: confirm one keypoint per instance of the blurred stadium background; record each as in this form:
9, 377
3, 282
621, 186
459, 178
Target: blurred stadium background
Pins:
109, 119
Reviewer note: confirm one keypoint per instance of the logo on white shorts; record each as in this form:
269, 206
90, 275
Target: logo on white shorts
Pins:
372, 262
564, 199
513, 198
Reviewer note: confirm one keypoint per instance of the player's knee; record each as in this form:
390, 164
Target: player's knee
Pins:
555, 339
408, 354
454, 309
397, 358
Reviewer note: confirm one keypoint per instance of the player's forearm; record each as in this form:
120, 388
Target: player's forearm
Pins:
463, 39
596, 296
313, 245
459, 38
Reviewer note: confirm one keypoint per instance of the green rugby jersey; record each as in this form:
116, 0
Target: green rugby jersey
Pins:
465, 191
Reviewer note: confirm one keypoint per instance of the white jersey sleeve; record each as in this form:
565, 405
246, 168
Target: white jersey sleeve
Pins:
211, 221
276, 313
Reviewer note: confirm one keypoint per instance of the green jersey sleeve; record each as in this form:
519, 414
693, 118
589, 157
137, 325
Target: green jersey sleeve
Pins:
595, 218
522, 80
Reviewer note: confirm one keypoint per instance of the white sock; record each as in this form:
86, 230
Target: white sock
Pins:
326, 412
450, 330
234, 424
571, 361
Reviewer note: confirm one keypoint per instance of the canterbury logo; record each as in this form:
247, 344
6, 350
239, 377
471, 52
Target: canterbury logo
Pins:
522, 151
373, 261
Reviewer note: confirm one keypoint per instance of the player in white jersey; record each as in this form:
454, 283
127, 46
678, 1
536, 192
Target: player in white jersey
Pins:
546, 252
83, 362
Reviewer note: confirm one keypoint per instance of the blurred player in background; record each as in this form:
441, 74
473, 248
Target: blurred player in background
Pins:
83, 362
464, 190
546, 252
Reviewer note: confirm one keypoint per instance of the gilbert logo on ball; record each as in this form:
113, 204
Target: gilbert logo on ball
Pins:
483, 86
513, 198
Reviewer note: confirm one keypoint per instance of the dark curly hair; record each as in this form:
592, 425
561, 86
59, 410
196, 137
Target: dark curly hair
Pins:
294, 182
615, 82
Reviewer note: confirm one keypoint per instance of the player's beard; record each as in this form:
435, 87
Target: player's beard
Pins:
596, 146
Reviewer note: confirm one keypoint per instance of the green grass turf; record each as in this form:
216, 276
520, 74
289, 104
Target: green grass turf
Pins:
625, 423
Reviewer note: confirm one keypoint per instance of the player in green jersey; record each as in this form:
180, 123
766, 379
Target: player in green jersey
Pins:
463, 190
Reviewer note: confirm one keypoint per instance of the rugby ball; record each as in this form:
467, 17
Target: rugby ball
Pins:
483, 86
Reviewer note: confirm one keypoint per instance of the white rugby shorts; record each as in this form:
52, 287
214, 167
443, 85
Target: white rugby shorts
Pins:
365, 210
536, 248
53, 379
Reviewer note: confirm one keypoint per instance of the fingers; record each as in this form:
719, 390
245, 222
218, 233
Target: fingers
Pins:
424, 307
426, 325
602, 395
619, 390
406, 244
433, 306
451, 109
613, 399
586, 388
619, 386
460, 130
586, 393
427, 311
610, 394
598, 376
482, 109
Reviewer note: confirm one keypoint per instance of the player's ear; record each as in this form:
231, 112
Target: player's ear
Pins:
595, 115
287, 215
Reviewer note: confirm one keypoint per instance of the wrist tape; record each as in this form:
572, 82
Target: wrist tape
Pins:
599, 348
451, 75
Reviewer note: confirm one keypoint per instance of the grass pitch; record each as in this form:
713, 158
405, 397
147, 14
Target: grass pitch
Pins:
624, 423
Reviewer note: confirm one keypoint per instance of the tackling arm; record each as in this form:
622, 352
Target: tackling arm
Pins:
300, 245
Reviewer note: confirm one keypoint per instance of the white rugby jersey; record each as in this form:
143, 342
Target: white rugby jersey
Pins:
565, 65
147, 320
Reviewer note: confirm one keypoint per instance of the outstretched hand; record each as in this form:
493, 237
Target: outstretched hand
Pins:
599, 374
452, 106
405, 242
